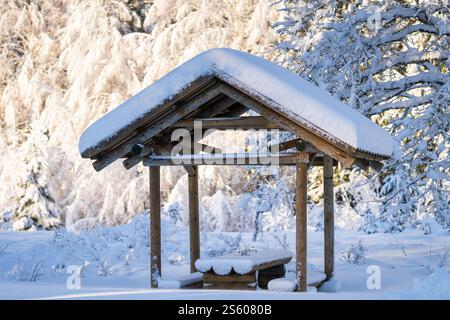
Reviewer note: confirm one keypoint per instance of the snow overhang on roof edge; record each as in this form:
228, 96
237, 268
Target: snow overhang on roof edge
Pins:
290, 92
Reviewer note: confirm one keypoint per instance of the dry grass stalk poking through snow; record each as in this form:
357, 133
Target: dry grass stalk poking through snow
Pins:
356, 253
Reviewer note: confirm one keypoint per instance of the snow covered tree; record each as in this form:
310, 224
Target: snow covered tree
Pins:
35, 205
390, 60
261, 205
70, 61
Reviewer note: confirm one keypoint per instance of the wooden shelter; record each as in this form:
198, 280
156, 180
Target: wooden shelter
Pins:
218, 88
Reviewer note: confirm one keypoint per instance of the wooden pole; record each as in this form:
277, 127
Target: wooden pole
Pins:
194, 226
328, 216
301, 226
155, 226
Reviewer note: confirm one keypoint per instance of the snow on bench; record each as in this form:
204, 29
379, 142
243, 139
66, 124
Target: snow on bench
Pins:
240, 264
315, 278
180, 282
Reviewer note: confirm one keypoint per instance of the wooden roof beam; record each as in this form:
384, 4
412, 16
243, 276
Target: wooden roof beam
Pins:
210, 110
235, 111
291, 158
202, 83
297, 143
366, 164
321, 144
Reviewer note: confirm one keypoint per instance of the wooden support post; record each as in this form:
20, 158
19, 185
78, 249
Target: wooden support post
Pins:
340, 153
328, 216
194, 226
155, 226
301, 226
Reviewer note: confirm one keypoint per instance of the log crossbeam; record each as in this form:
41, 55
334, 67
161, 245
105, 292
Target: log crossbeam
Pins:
328, 204
301, 226
155, 226
228, 159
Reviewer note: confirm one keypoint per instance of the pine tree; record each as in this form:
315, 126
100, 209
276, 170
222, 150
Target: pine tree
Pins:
390, 61
35, 206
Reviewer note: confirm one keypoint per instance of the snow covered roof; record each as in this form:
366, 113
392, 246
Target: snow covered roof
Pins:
285, 91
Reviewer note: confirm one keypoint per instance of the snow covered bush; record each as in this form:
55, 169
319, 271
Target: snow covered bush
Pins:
355, 254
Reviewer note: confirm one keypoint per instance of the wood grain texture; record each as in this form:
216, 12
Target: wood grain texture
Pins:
155, 225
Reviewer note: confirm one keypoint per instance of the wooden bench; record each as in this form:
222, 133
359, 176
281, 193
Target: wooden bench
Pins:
243, 271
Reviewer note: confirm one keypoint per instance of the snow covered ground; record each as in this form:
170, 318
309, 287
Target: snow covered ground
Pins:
34, 265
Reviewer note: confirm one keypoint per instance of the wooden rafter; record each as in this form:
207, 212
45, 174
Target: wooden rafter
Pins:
297, 143
251, 122
328, 214
288, 124
155, 225
199, 104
